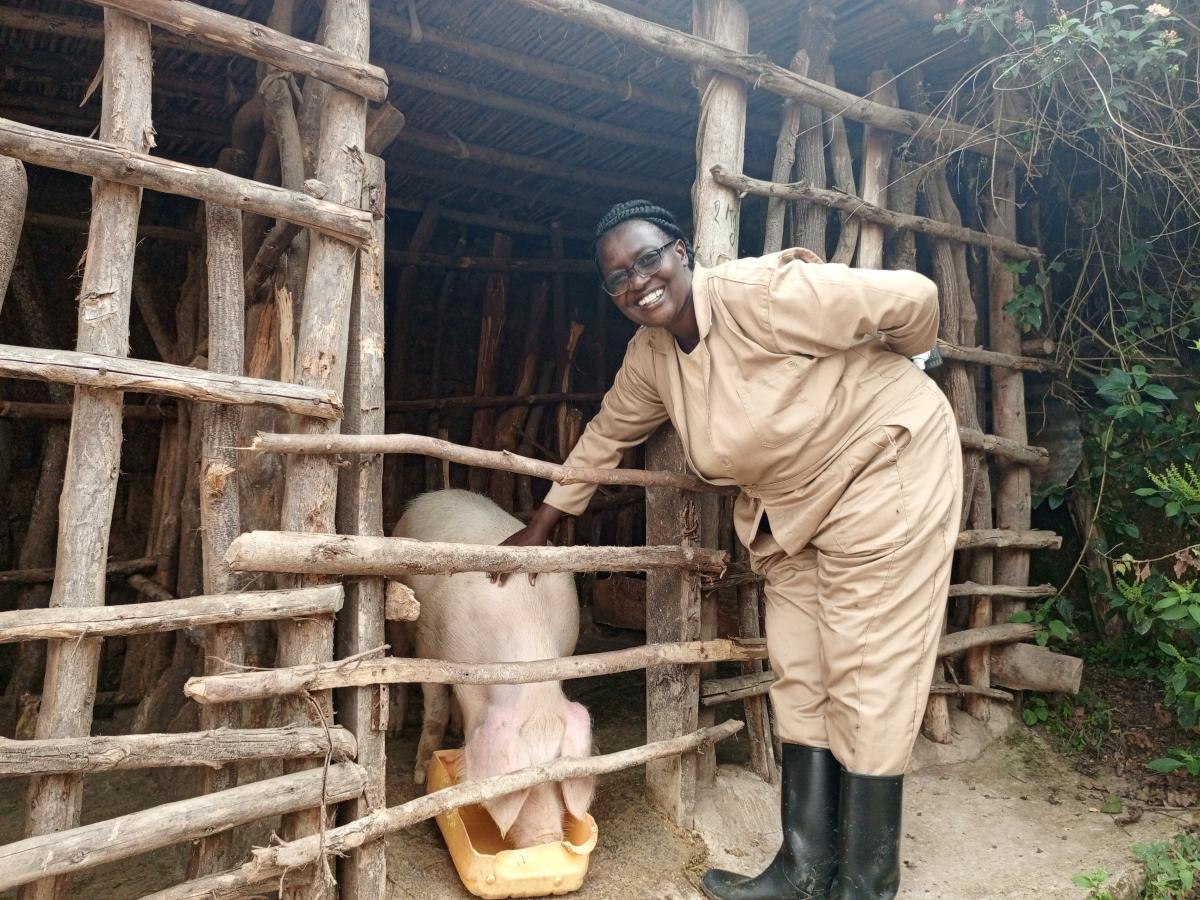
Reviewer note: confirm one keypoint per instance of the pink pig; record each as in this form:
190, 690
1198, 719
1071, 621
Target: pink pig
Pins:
466, 618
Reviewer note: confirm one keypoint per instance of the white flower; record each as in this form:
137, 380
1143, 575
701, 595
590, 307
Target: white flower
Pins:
1157, 9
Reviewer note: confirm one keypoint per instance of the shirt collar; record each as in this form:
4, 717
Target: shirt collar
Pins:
661, 340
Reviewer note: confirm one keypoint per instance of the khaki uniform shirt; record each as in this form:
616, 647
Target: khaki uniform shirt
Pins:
798, 359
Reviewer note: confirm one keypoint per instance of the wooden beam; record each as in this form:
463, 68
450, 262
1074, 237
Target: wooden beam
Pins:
278, 682
974, 439
199, 24
334, 554
168, 615
114, 839
151, 232
493, 222
583, 398
45, 576
54, 802
100, 159
214, 749
1001, 537
324, 445
93, 370
873, 185
1027, 667
269, 864
87, 29
860, 208
971, 589
12, 409
960, 641
492, 263
759, 71
999, 359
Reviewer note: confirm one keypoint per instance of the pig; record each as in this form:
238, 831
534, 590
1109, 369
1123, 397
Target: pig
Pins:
466, 618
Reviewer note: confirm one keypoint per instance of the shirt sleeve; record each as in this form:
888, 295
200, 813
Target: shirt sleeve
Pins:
817, 309
629, 413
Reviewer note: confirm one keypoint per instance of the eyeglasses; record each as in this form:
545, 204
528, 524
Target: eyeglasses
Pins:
616, 283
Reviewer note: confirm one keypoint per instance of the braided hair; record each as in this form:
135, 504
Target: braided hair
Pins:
647, 212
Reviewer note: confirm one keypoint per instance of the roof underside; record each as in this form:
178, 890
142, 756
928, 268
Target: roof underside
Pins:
45, 75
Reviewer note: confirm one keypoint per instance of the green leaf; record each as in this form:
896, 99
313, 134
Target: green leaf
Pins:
1059, 629
1160, 392
1164, 765
1030, 717
1023, 615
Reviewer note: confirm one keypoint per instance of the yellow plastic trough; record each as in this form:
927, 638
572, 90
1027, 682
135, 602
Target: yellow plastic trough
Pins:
487, 864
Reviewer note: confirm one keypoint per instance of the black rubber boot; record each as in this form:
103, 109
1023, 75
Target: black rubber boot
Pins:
804, 865
869, 838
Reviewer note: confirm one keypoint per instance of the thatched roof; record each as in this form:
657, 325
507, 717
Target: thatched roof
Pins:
485, 78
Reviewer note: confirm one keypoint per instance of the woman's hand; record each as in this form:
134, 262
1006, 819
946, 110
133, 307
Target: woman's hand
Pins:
535, 534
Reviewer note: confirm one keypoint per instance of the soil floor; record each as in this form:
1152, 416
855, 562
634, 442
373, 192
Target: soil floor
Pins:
989, 817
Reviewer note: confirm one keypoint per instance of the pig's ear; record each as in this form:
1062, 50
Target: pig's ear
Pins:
496, 748
577, 742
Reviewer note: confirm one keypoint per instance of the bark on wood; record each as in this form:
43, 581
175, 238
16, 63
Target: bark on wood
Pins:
743, 687
360, 628
384, 124
1027, 667
58, 412
511, 421
816, 40
781, 170
391, 670
145, 232
102, 842
332, 554
46, 575
13, 191
841, 164
151, 590
213, 749
402, 603
95, 371
417, 443
998, 359
973, 439
763, 74
94, 454
189, 612
961, 641
310, 488
904, 180
869, 212
1000, 537
228, 33
270, 864
758, 713
487, 359
971, 589
102, 159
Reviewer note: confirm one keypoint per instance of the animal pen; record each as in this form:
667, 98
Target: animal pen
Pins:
221, 466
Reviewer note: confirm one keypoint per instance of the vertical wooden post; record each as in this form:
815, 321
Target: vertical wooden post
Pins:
491, 332
310, 487
94, 454
13, 191
360, 625
877, 155
220, 512
809, 220
781, 170
1013, 501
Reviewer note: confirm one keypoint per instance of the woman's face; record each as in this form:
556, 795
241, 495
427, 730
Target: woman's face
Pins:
662, 299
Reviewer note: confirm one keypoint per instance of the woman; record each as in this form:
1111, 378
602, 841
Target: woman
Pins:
792, 380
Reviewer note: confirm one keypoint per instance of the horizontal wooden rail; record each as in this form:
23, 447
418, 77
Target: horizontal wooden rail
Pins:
364, 672
960, 641
1002, 360
153, 232
68, 623
471, 456
13, 409
45, 576
864, 209
969, 690
491, 263
1014, 451
1033, 592
103, 842
86, 156
202, 25
269, 863
105, 753
164, 379
760, 72
473, 402
1017, 540
333, 554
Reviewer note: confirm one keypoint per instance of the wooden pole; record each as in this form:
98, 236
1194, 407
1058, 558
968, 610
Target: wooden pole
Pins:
781, 170
763, 74
360, 628
102, 159
13, 191
333, 554
46, 856
809, 220
416, 443
876, 165
95, 371
1031, 539
228, 33
869, 212
94, 454
213, 749
487, 359
60, 412
310, 485
281, 682
999, 359
269, 865
168, 615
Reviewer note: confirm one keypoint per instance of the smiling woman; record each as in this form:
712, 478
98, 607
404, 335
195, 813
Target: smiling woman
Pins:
791, 379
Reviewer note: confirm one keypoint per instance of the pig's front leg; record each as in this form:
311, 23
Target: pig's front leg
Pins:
433, 726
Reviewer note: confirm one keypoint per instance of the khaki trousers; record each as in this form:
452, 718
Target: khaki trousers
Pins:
853, 620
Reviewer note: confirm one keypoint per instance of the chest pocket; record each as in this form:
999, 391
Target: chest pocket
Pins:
771, 396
